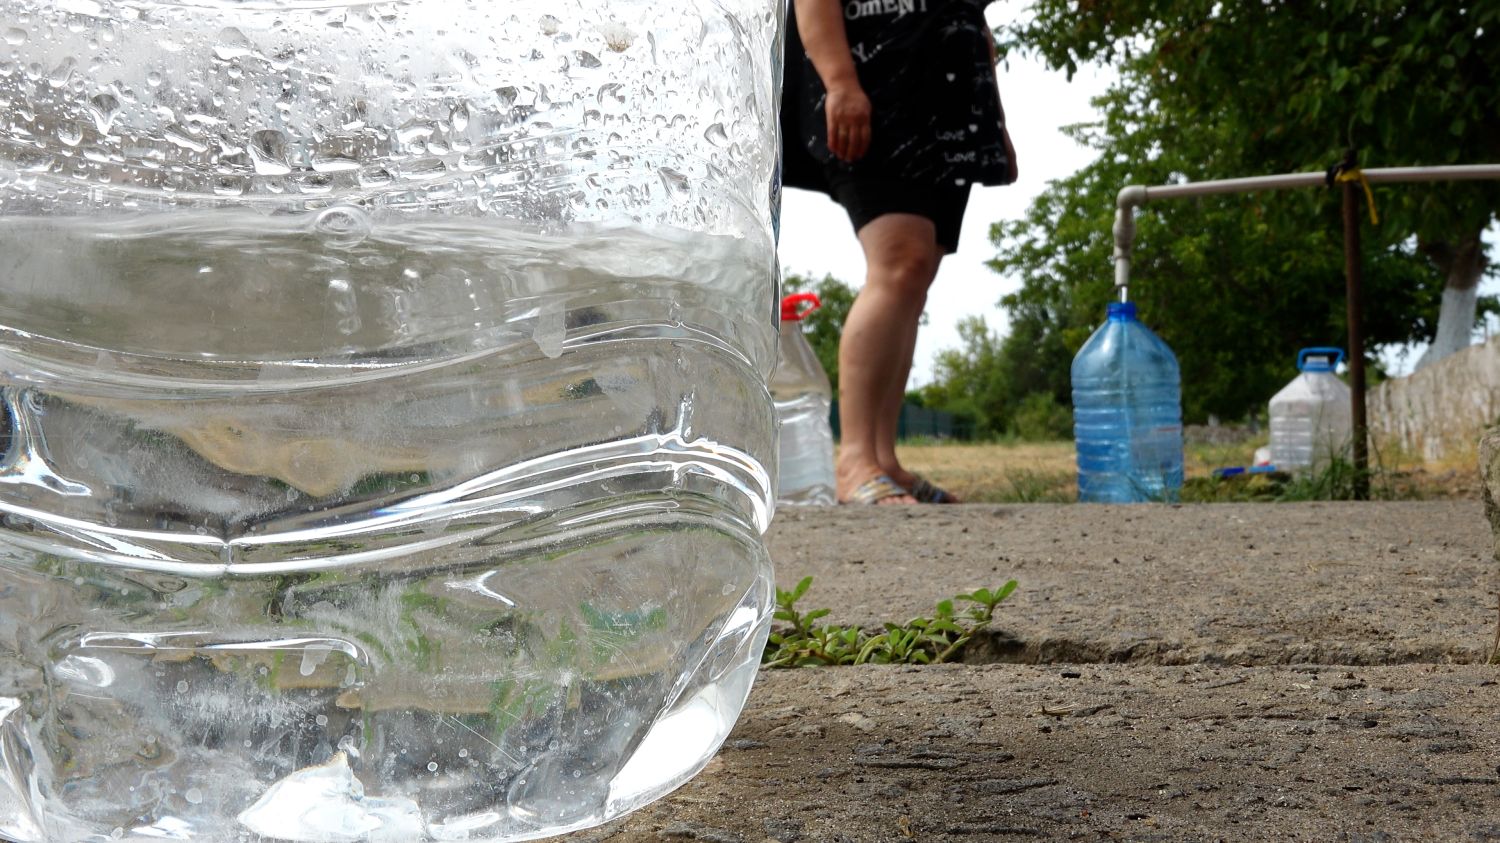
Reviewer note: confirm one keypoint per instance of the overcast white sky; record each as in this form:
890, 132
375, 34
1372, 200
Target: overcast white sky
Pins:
816, 237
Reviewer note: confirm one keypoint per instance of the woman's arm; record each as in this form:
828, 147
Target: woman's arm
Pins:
821, 24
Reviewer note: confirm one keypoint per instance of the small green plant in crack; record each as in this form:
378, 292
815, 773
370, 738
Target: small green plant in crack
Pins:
800, 641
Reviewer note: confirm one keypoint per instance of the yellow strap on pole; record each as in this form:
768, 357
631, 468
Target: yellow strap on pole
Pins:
1356, 174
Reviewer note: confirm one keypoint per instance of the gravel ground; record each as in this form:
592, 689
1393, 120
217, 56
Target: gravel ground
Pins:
1317, 583
1225, 672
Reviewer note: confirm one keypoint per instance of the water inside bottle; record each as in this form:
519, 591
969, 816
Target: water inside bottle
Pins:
806, 451
321, 528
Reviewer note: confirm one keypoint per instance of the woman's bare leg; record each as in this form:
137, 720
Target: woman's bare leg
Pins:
901, 257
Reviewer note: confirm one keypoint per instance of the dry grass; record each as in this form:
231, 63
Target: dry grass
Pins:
1029, 471
1046, 471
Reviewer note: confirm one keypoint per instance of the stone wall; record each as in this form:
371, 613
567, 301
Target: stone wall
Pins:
1439, 413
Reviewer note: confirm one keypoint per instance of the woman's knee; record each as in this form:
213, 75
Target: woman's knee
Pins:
909, 273
902, 253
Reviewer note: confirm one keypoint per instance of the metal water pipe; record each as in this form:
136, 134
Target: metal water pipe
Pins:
1134, 196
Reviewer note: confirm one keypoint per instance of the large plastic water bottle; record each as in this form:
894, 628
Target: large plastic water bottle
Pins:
1311, 418
1127, 413
803, 397
385, 443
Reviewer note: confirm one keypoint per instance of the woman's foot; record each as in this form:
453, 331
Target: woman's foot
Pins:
927, 492
867, 484
921, 489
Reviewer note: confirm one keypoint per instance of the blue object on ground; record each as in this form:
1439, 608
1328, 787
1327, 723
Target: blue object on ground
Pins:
1237, 470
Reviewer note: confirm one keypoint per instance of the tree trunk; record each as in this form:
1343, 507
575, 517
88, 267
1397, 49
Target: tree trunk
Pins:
1462, 263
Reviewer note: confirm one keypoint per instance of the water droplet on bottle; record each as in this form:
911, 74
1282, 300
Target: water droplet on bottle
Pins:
314, 655
268, 152
343, 225
460, 118
193, 795
334, 164
586, 59
617, 36
463, 753
15, 35
153, 79
61, 74
232, 44
179, 138
414, 131
550, 24
672, 180
103, 108
229, 186
374, 177
182, 687
69, 132
341, 296
321, 719
82, 8
716, 135
432, 766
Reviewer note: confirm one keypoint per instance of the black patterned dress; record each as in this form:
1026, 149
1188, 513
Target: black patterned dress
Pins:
936, 115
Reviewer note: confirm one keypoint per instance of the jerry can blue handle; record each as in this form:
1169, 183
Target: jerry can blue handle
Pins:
1335, 355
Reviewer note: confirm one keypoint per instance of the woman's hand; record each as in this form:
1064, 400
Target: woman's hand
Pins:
848, 111
845, 105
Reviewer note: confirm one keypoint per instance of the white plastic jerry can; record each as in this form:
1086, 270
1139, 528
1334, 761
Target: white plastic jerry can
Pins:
1311, 421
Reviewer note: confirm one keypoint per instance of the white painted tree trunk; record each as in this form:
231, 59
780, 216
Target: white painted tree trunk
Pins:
1455, 329
1455, 325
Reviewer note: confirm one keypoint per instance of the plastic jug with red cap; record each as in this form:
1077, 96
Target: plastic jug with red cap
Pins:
803, 397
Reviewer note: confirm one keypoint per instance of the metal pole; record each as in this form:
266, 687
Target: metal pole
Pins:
1135, 195
1355, 307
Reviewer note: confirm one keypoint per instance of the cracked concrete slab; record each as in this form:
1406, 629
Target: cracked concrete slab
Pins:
1121, 752
1212, 672
1316, 583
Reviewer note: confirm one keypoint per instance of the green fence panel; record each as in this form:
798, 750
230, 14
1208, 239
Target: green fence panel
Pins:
917, 423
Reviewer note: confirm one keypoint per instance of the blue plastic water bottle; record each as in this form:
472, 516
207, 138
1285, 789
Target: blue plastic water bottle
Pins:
1127, 413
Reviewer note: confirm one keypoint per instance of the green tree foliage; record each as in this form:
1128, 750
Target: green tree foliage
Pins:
969, 381
824, 326
1215, 90
977, 384
1040, 418
1235, 285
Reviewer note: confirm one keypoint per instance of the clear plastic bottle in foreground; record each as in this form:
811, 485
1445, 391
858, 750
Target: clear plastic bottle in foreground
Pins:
1311, 418
803, 397
384, 435
1127, 413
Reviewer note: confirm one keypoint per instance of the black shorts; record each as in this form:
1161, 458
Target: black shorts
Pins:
867, 198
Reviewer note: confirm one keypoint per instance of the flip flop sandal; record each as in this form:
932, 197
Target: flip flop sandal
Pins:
926, 492
874, 490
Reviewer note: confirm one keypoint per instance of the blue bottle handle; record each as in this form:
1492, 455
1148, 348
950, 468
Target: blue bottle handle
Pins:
1336, 353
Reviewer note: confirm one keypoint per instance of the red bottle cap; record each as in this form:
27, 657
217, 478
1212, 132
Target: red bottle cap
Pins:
790, 305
